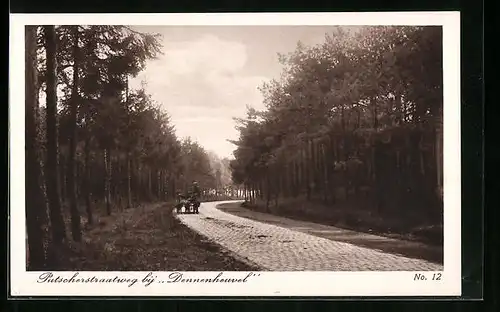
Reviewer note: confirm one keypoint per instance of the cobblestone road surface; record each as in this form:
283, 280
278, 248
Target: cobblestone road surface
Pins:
275, 248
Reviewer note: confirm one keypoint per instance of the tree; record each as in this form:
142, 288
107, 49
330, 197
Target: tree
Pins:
35, 201
75, 98
97, 62
52, 169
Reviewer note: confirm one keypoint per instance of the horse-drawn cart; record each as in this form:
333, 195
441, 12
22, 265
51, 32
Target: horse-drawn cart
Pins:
188, 206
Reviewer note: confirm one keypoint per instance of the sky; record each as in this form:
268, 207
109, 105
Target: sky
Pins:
208, 74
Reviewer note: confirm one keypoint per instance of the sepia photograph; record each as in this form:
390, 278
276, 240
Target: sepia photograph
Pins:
247, 148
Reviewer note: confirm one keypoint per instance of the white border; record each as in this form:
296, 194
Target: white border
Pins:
268, 283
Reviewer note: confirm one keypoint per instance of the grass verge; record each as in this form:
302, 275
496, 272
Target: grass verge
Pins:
145, 238
350, 216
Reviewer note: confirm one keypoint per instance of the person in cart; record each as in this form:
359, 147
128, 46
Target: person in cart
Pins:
195, 190
195, 196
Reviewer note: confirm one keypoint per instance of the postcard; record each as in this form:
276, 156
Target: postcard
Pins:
270, 154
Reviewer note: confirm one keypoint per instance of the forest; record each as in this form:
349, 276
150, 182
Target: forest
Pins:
94, 146
351, 135
351, 132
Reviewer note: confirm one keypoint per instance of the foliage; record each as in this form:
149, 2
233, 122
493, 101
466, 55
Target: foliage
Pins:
358, 110
116, 145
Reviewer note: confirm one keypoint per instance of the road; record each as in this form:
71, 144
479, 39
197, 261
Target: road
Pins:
275, 248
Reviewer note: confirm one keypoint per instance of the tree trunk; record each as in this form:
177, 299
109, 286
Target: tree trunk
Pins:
173, 187
373, 104
164, 184
62, 179
325, 173
87, 179
78, 179
150, 191
129, 182
115, 182
268, 191
300, 172
398, 108
72, 170
138, 184
296, 178
342, 118
51, 168
35, 201
307, 167
358, 118
158, 186
110, 179
279, 185
404, 111
314, 156
333, 153
107, 181
439, 159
